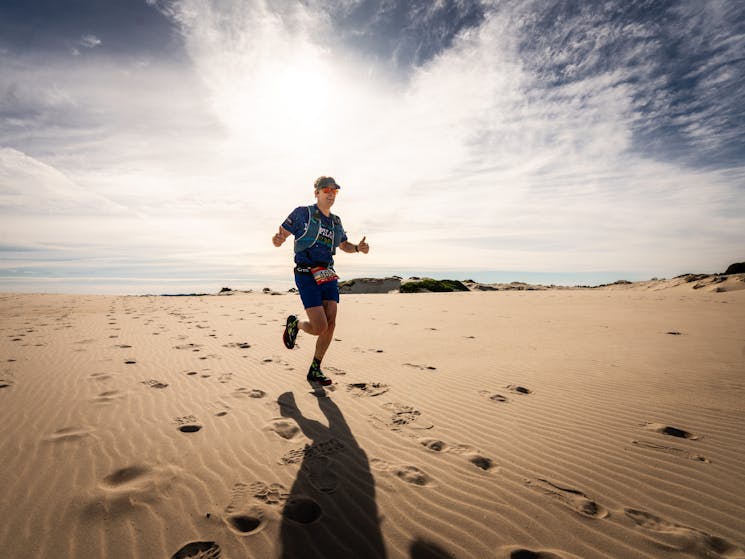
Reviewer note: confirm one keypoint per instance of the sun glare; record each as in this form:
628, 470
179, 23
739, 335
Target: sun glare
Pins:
283, 104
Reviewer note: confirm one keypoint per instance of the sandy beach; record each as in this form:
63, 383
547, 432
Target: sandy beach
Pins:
597, 423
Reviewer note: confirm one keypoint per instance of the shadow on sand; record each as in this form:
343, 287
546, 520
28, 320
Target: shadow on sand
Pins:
331, 509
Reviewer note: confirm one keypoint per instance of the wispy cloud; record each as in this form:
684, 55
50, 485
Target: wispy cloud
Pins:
90, 41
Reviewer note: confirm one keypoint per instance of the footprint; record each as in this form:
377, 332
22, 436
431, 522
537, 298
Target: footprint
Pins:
434, 444
68, 434
198, 550
240, 345
285, 428
193, 347
242, 516
321, 476
85, 342
670, 431
323, 448
403, 416
107, 396
413, 475
672, 450
408, 473
494, 397
518, 389
363, 350
406, 415
246, 393
271, 494
482, 462
683, 538
125, 488
275, 359
574, 499
100, 376
302, 509
247, 522
152, 383
423, 549
367, 388
210, 356
5, 383
473, 456
421, 367
515, 552
190, 428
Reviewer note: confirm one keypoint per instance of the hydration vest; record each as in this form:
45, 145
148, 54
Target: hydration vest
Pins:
313, 230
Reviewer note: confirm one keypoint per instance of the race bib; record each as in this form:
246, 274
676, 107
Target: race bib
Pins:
323, 275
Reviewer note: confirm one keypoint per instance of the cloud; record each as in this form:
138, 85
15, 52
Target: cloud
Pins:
90, 41
532, 137
29, 186
678, 62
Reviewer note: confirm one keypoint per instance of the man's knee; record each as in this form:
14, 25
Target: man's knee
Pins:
318, 328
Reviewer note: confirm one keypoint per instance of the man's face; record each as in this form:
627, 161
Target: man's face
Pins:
326, 196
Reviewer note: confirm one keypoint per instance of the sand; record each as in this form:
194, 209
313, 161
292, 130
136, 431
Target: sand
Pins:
546, 424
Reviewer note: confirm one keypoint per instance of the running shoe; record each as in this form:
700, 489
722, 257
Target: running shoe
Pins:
290, 333
317, 376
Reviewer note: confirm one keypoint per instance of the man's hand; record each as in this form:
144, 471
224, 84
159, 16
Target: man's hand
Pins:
280, 237
363, 246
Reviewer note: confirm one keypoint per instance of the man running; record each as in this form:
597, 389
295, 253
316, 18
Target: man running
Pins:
317, 233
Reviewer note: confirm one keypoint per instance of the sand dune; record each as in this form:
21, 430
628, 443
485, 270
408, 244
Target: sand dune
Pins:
543, 424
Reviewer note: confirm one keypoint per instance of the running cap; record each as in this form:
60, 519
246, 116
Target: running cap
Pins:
323, 182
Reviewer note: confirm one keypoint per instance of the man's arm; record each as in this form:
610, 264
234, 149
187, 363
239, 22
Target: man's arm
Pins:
346, 246
281, 236
362, 246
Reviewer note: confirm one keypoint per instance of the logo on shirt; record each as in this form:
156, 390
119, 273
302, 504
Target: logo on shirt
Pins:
325, 237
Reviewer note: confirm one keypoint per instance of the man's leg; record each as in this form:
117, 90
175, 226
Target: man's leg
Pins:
316, 323
315, 374
324, 339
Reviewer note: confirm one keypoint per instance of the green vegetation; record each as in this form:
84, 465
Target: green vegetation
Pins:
439, 286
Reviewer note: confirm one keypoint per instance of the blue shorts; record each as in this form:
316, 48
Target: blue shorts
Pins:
312, 294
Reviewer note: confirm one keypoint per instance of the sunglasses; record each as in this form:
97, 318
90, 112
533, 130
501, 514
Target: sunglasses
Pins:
328, 190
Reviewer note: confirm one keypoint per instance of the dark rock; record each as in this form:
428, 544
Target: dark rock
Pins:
736, 268
437, 286
370, 285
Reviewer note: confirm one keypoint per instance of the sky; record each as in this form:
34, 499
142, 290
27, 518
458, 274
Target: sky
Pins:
154, 146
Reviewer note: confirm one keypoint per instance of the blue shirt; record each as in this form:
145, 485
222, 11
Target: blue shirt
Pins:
322, 252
